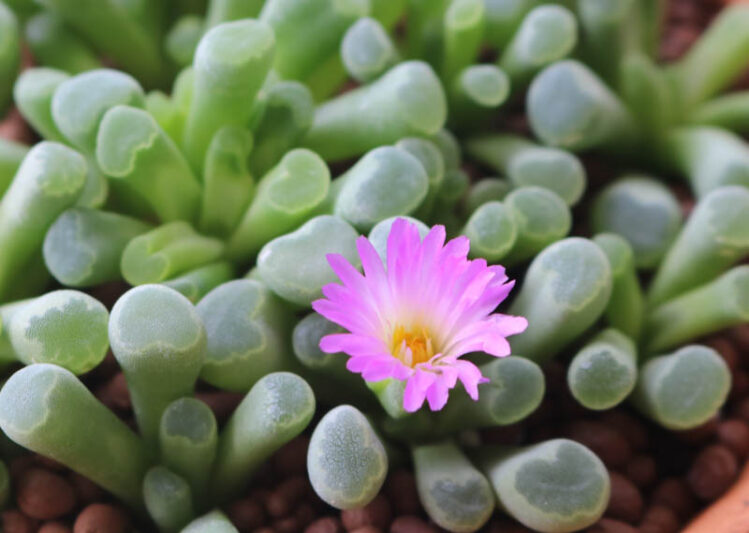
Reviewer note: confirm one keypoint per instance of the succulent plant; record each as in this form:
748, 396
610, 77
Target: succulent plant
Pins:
357, 162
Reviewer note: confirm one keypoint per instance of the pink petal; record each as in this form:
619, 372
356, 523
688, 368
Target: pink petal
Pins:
345, 318
379, 369
346, 271
358, 363
470, 376
437, 395
415, 391
351, 344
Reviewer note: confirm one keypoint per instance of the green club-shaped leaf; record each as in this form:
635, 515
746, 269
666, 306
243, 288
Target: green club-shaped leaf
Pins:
407, 100
197, 283
714, 238
684, 389
294, 266
11, 157
453, 492
566, 289
492, 230
528, 164
485, 190
168, 499
159, 341
570, 107
625, 308
346, 461
187, 443
79, 103
49, 181
386, 182
46, 409
308, 32
84, 246
55, 44
709, 157
277, 409
515, 389
558, 486
166, 252
367, 50
132, 149
247, 329
287, 111
231, 63
547, 34
541, 217
643, 211
213, 522
10, 54
710, 308
286, 196
65, 328
33, 93
603, 373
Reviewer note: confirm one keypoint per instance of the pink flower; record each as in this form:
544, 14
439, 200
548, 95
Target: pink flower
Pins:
414, 319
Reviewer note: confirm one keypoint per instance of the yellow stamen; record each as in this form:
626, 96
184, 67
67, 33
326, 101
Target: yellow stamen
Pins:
419, 342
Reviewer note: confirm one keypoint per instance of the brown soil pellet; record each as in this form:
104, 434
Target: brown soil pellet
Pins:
740, 337
605, 441
506, 435
739, 384
13, 127
367, 529
626, 501
659, 519
741, 409
16, 522
555, 377
700, 434
376, 513
675, 494
305, 513
281, 501
609, 525
19, 465
44, 495
54, 527
505, 525
115, 394
101, 518
641, 470
222, 403
277, 505
107, 294
287, 525
86, 490
727, 351
411, 524
632, 429
401, 490
246, 514
712, 472
734, 434
292, 458
49, 464
326, 524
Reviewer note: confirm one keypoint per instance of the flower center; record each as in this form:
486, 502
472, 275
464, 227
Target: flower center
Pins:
412, 346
